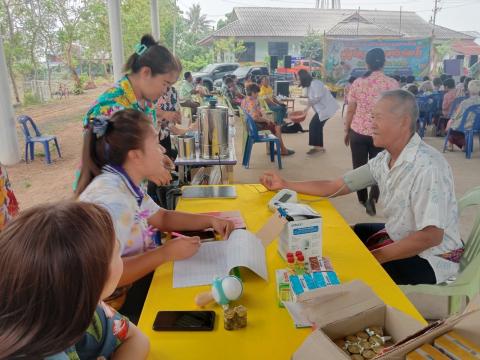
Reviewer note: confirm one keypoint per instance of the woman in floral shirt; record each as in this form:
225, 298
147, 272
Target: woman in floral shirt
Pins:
8, 202
126, 151
152, 69
362, 96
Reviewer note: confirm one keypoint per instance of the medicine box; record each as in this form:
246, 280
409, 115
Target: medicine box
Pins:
283, 286
426, 352
302, 233
318, 263
300, 284
457, 347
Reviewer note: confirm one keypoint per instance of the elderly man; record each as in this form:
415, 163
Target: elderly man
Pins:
416, 183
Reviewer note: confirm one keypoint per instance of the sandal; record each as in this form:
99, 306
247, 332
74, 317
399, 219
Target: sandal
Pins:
288, 153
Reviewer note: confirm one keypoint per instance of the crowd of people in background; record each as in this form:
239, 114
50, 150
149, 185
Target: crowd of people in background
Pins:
84, 277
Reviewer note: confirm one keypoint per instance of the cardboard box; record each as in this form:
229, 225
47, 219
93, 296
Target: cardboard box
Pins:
303, 234
341, 310
426, 352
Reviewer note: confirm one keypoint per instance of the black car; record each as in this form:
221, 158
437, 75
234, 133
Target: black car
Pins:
242, 72
212, 72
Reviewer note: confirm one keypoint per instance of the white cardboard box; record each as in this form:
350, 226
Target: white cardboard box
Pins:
304, 235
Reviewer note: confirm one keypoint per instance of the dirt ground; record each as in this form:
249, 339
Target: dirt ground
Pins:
37, 182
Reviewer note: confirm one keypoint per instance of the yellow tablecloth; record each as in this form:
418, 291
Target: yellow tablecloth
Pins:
270, 333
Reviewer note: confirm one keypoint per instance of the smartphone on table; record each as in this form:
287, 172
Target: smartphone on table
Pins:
204, 235
198, 320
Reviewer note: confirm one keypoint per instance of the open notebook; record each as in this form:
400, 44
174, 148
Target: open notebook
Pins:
218, 258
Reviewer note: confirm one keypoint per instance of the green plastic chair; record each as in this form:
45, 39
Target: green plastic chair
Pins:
467, 282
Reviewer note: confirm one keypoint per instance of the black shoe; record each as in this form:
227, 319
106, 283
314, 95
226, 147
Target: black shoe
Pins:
370, 207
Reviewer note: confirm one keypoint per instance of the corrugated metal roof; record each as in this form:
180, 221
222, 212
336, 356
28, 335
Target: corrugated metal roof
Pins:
466, 47
295, 22
357, 25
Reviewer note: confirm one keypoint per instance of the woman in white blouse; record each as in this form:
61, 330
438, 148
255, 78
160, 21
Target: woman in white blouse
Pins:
324, 105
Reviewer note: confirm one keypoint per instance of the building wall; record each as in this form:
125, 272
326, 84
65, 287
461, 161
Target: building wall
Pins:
261, 46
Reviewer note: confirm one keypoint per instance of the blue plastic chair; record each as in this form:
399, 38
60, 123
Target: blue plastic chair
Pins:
468, 133
427, 107
455, 104
30, 140
254, 137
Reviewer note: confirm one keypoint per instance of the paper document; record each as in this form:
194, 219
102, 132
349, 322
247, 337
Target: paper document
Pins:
218, 258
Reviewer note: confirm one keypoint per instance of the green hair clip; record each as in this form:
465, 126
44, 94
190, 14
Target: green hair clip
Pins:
140, 49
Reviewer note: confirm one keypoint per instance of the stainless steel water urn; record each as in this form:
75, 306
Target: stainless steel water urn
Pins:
213, 131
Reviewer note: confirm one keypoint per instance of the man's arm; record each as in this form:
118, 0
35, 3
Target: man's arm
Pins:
357, 179
412, 245
323, 188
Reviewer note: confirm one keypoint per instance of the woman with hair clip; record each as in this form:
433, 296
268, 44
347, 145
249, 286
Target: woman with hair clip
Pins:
362, 97
150, 71
118, 153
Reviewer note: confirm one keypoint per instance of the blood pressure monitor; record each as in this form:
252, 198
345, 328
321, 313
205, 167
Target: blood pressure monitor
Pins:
281, 197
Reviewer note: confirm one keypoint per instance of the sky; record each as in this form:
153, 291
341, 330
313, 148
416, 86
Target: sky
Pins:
461, 15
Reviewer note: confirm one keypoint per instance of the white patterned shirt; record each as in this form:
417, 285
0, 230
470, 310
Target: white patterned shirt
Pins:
113, 191
417, 192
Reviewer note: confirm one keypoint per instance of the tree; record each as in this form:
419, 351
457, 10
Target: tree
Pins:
229, 18
228, 46
14, 49
95, 36
311, 46
197, 23
69, 14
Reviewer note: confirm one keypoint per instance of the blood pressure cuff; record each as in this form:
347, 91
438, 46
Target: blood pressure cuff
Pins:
359, 178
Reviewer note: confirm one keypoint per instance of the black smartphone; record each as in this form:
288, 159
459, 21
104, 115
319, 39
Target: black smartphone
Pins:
204, 235
184, 321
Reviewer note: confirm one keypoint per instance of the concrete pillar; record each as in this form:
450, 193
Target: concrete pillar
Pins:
116, 41
9, 152
155, 20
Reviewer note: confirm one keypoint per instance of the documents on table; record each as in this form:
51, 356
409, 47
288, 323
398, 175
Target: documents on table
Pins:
218, 258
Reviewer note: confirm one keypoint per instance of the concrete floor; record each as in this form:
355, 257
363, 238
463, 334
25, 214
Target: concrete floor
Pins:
337, 160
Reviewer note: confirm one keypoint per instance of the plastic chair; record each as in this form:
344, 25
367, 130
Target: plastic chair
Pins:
427, 106
470, 133
467, 282
255, 137
30, 140
461, 127
455, 104
241, 115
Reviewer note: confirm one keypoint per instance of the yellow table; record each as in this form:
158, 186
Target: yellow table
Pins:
270, 333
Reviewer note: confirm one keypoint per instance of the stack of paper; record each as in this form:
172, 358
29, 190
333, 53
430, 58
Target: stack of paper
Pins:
218, 258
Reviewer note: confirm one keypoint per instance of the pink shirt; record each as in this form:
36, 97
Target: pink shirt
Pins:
365, 92
448, 99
